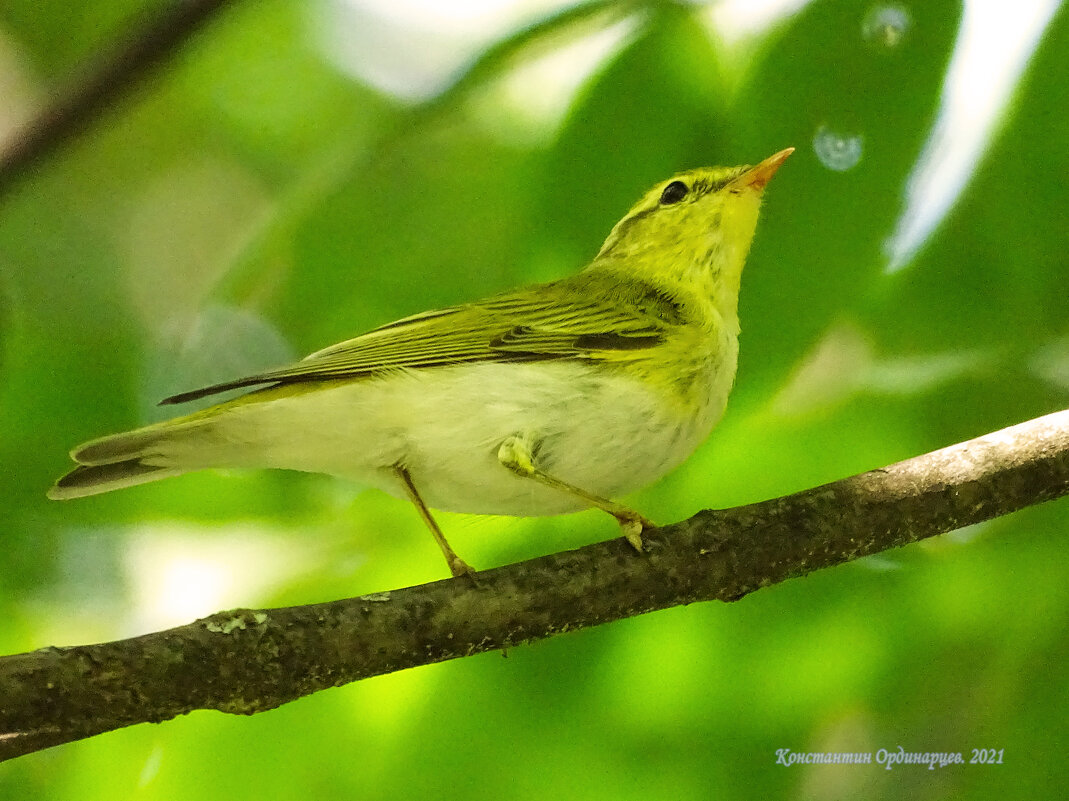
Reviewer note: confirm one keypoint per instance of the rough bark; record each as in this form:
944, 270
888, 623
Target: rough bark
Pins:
246, 661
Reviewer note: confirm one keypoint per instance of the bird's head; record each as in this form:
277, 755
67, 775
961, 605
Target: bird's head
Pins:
695, 226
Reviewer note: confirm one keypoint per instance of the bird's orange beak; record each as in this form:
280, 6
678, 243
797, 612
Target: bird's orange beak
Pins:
757, 177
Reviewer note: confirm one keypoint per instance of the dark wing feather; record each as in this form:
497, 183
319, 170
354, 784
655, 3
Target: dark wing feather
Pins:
582, 317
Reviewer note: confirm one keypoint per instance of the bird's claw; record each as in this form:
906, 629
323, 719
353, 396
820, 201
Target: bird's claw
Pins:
632, 525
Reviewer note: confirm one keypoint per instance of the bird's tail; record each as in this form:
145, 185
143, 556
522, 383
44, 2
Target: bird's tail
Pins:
118, 461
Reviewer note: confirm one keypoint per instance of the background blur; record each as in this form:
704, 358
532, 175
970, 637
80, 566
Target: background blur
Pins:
302, 171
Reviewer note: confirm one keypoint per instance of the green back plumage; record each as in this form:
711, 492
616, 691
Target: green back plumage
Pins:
587, 316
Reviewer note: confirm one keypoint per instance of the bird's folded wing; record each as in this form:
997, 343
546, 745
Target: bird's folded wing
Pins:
522, 326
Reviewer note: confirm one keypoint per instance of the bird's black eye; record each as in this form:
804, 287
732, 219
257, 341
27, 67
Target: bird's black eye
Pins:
673, 193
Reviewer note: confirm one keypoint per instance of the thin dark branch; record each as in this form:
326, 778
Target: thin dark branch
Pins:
97, 88
247, 661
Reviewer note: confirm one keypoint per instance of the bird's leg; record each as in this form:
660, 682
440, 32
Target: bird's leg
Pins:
457, 566
516, 453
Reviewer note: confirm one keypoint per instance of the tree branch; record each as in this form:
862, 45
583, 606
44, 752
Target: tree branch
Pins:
141, 51
247, 661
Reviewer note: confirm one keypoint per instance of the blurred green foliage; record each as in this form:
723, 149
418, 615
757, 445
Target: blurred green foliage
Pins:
255, 202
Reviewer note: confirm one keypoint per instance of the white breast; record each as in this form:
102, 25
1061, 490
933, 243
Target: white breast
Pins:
598, 429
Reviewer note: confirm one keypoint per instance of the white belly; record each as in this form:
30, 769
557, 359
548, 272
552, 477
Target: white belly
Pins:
600, 430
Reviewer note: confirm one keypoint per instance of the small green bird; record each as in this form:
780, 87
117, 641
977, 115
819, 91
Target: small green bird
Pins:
540, 401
